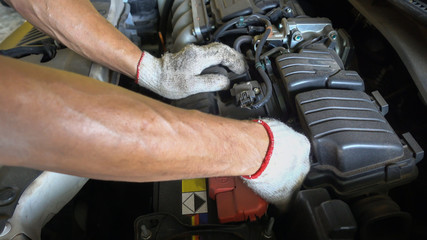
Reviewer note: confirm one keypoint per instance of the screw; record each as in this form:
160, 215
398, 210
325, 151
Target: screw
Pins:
257, 91
268, 233
288, 10
298, 37
145, 233
333, 35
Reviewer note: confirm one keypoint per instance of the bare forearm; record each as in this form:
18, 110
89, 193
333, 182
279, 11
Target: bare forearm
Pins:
79, 26
68, 123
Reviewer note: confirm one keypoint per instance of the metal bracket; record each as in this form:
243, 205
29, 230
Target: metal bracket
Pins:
200, 18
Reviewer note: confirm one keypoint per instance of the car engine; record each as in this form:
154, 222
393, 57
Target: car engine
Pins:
323, 67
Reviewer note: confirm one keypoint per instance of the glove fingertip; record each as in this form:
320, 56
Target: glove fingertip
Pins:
237, 63
239, 68
221, 82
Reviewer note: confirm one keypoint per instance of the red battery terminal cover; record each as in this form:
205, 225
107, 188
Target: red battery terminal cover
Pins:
235, 201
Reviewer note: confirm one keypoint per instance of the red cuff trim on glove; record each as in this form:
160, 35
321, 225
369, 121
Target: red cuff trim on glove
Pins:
137, 67
269, 151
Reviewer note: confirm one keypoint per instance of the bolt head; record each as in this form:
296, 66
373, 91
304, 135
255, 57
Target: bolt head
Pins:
257, 91
145, 233
7, 196
333, 36
288, 10
298, 37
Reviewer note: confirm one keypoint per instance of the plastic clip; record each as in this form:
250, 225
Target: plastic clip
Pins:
260, 65
241, 23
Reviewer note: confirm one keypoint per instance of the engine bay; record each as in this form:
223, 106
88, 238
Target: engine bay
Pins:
319, 66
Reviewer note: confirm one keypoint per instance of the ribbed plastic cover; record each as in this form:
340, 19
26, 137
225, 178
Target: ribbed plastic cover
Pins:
315, 68
347, 130
354, 149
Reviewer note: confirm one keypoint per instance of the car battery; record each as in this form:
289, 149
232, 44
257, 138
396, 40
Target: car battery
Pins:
193, 207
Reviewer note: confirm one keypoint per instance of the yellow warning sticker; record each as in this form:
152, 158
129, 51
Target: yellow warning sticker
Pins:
194, 185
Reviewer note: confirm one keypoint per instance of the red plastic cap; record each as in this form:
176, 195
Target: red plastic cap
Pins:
219, 185
235, 201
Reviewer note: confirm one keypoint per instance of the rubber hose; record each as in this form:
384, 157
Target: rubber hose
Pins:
234, 31
163, 24
259, 18
240, 40
261, 45
254, 17
224, 27
272, 51
261, 71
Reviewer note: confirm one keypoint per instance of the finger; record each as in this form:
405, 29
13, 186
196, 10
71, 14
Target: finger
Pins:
230, 58
217, 53
208, 83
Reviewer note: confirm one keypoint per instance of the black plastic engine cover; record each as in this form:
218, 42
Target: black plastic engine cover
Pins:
355, 150
315, 68
316, 216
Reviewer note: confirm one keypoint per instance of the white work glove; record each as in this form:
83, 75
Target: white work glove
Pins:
285, 165
176, 76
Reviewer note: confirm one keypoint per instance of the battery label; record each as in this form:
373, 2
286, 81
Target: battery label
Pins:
194, 197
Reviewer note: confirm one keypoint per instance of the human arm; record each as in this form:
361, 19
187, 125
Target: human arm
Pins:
68, 123
79, 26
63, 122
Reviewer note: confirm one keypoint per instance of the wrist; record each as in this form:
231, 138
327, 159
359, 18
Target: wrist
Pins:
138, 66
286, 168
148, 72
265, 148
131, 62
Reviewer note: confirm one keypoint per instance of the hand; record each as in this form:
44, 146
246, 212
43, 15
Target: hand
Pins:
176, 76
284, 167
